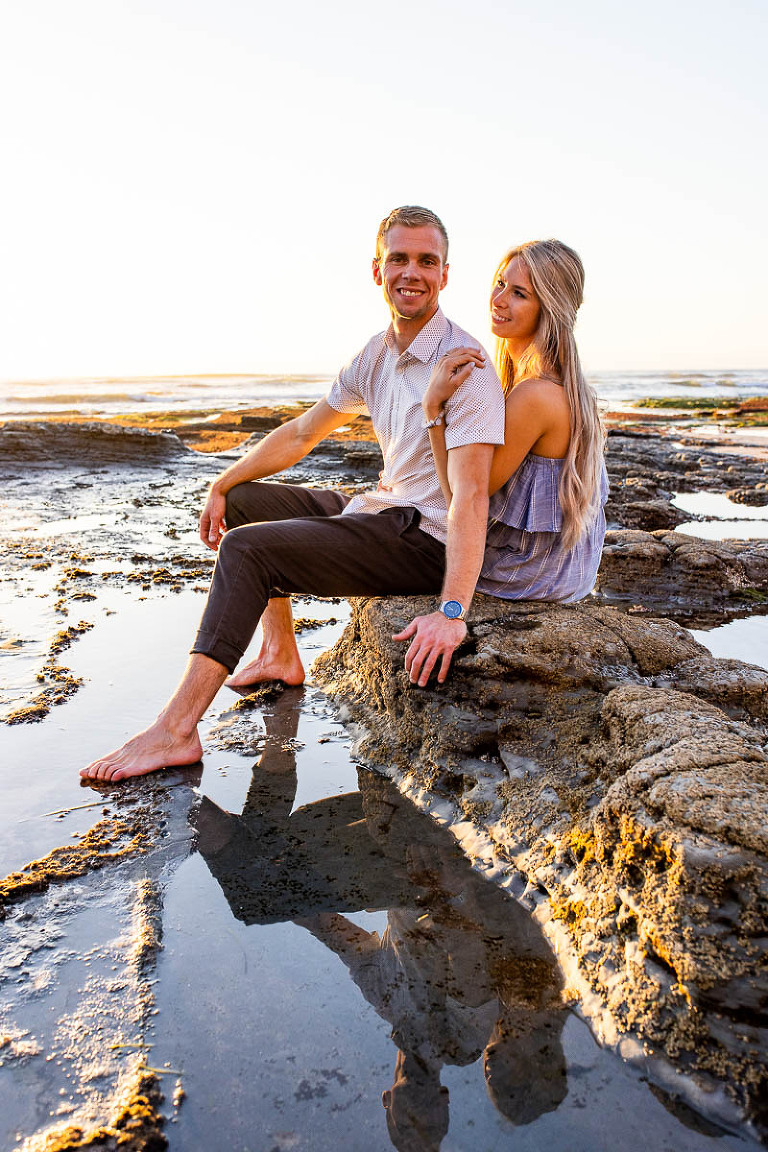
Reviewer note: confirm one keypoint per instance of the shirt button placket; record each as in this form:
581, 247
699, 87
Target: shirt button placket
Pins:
399, 406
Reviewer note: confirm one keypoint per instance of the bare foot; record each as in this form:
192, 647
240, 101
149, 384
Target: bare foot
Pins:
152, 749
288, 669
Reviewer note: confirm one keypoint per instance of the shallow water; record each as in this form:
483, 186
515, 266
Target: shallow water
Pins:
721, 507
322, 942
745, 639
725, 529
728, 520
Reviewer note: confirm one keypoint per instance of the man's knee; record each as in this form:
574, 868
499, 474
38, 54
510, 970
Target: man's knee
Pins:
264, 501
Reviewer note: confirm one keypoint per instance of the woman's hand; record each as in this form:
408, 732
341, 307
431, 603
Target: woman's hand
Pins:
449, 373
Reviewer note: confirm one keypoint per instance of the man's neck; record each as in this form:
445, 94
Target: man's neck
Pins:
405, 331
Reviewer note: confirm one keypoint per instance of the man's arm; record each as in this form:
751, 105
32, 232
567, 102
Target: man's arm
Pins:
435, 637
280, 449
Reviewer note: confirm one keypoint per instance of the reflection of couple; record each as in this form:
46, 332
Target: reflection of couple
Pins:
449, 433
460, 969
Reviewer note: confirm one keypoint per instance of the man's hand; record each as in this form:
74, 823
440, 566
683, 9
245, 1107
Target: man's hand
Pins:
212, 526
433, 638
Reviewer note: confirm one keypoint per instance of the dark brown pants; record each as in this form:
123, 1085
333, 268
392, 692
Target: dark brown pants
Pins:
283, 538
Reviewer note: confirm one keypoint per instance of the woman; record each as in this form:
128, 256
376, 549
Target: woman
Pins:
548, 482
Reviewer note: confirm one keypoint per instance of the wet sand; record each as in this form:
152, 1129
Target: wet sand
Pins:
269, 940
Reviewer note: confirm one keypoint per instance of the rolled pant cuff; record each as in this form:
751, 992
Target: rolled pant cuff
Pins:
208, 644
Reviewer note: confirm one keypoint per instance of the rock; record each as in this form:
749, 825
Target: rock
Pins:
741, 690
589, 746
669, 567
647, 470
756, 497
646, 514
659, 465
38, 444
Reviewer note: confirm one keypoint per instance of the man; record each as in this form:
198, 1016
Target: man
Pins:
274, 540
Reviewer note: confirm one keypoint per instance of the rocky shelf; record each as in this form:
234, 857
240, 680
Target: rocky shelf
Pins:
619, 773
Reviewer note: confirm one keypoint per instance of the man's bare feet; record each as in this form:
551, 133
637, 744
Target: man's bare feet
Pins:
279, 657
286, 667
154, 748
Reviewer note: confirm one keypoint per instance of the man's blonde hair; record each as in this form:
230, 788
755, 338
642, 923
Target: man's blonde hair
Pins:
411, 216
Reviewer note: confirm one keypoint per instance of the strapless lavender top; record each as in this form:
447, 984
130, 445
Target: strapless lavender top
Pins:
524, 556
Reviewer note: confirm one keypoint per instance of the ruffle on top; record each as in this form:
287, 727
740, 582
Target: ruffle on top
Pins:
529, 500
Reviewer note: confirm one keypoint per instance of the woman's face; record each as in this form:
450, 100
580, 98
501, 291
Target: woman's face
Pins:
515, 308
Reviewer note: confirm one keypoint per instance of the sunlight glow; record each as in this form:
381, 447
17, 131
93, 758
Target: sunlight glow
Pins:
196, 186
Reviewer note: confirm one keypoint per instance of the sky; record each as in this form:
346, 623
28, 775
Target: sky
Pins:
194, 186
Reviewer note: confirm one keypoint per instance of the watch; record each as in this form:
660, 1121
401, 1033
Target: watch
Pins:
453, 610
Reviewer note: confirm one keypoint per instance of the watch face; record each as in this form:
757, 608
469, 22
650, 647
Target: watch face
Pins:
452, 609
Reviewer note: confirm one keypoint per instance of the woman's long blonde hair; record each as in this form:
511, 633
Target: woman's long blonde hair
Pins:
557, 277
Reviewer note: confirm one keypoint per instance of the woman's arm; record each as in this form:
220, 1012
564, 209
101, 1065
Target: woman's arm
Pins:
451, 371
440, 453
536, 418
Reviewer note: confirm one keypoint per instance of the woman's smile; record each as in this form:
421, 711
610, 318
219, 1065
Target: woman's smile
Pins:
515, 309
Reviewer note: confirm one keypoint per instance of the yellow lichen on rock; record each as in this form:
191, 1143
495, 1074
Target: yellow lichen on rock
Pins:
135, 1127
107, 841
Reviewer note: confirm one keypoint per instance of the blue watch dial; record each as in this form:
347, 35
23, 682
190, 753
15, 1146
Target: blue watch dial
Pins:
452, 609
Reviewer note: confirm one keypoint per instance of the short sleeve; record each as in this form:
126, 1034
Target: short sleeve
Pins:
346, 393
475, 413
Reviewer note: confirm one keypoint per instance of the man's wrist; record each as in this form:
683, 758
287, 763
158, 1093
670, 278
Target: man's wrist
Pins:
219, 486
453, 609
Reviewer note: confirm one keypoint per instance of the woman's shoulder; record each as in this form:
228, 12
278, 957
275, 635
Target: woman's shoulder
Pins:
535, 385
540, 392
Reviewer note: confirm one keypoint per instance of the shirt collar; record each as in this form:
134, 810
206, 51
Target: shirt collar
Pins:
424, 346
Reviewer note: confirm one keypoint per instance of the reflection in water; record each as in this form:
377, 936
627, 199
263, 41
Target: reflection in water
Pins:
460, 970
745, 639
720, 506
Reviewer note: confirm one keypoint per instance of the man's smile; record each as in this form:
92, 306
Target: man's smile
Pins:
410, 267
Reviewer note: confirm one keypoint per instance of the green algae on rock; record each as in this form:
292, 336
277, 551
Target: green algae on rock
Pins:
742, 412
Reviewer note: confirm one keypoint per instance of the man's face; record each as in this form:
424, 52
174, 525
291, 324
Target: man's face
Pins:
411, 271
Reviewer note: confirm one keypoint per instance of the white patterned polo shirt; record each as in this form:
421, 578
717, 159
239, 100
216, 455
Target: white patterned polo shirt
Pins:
389, 386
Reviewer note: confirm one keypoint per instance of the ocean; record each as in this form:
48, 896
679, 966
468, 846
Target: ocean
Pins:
103, 396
